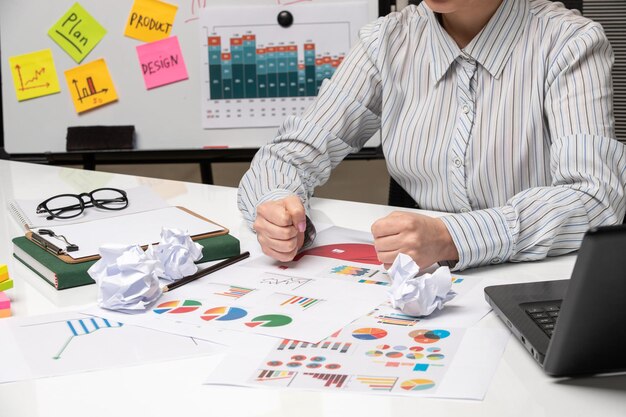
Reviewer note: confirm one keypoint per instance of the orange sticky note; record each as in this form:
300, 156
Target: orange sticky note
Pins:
5, 313
34, 74
150, 20
90, 85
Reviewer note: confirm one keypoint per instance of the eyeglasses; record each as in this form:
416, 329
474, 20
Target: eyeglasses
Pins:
67, 206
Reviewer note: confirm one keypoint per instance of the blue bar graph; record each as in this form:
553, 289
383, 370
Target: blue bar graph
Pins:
247, 70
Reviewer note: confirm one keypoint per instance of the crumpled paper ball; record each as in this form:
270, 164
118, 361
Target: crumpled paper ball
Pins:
127, 279
177, 252
418, 296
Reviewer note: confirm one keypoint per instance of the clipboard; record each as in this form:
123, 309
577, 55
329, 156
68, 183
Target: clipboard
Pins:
212, 229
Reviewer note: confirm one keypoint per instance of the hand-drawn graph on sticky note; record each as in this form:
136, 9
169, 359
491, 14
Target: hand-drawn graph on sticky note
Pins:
256, 73
90, 85
83, 327
34, 74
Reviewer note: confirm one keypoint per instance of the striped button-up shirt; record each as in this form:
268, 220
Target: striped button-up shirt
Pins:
513, 134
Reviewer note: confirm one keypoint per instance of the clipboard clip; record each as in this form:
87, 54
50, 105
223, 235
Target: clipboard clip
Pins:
51, 247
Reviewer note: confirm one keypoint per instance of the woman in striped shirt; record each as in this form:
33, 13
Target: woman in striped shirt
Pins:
498, 112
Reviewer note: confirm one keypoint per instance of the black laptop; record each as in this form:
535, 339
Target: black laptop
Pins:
575, 326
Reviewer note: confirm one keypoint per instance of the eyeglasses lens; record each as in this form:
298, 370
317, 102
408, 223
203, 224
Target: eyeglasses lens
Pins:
109, 199
65, 206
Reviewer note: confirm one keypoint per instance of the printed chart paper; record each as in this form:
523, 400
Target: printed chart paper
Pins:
34, 75
374, 357
256, 73
70, 342
240, 299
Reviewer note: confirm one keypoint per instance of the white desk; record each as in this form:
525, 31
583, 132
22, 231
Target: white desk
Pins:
175, 388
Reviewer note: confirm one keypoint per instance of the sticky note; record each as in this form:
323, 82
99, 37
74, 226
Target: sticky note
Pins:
150, 20
161, 62
5, 313
5, 301
90, 85
6, 285
77, 33
4, 269
4, 277
34, 74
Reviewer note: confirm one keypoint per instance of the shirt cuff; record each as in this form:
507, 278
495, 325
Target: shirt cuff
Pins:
483, 237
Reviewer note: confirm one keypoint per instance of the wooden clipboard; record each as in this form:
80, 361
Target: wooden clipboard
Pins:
68, 259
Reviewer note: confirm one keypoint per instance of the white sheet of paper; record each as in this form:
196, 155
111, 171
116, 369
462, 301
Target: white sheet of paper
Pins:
134, 229
70, 342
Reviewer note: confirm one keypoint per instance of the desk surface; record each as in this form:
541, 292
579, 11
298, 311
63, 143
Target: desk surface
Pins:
519, 387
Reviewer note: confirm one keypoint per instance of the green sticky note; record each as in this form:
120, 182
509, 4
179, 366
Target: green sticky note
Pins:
77, 33
6, 285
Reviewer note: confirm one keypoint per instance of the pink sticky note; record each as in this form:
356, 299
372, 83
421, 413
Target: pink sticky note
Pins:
161, 62
5, 301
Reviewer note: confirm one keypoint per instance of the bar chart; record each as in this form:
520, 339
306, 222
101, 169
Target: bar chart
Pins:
246, 69
256, 73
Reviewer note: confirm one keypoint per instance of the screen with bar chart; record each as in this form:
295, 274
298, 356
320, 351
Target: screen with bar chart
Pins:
256, 73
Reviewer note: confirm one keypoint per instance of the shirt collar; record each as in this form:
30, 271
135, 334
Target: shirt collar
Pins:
491, 48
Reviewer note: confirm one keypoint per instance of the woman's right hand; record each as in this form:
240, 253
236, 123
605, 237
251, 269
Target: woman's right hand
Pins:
280, 227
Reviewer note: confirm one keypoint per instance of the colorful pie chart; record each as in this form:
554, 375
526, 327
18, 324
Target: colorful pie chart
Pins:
269, 320
177, 307
369, 333
223, 314
417, 384
428, 336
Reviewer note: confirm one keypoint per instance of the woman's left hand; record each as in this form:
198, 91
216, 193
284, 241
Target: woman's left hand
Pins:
425, 239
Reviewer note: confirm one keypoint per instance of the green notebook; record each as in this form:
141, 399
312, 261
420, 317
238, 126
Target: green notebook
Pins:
62, 275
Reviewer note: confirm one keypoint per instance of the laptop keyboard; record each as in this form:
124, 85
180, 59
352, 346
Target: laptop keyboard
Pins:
544, 315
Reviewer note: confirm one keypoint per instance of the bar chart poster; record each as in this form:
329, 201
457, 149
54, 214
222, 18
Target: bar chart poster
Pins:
256, 72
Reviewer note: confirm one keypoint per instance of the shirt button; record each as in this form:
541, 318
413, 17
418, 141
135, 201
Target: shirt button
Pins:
496, 260
465, 108
465, 210
457, 162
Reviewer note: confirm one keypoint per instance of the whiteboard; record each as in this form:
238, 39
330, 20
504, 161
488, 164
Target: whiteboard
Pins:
168, 117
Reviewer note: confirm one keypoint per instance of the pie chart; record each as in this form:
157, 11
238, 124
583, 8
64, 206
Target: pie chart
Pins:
369, 333
223, 314
177, 307
428, 336
417, 384
269, 320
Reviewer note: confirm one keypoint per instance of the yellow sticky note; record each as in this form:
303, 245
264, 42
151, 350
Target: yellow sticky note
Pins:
77, 32
4, 269
150, 20
34, 74
90, 85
